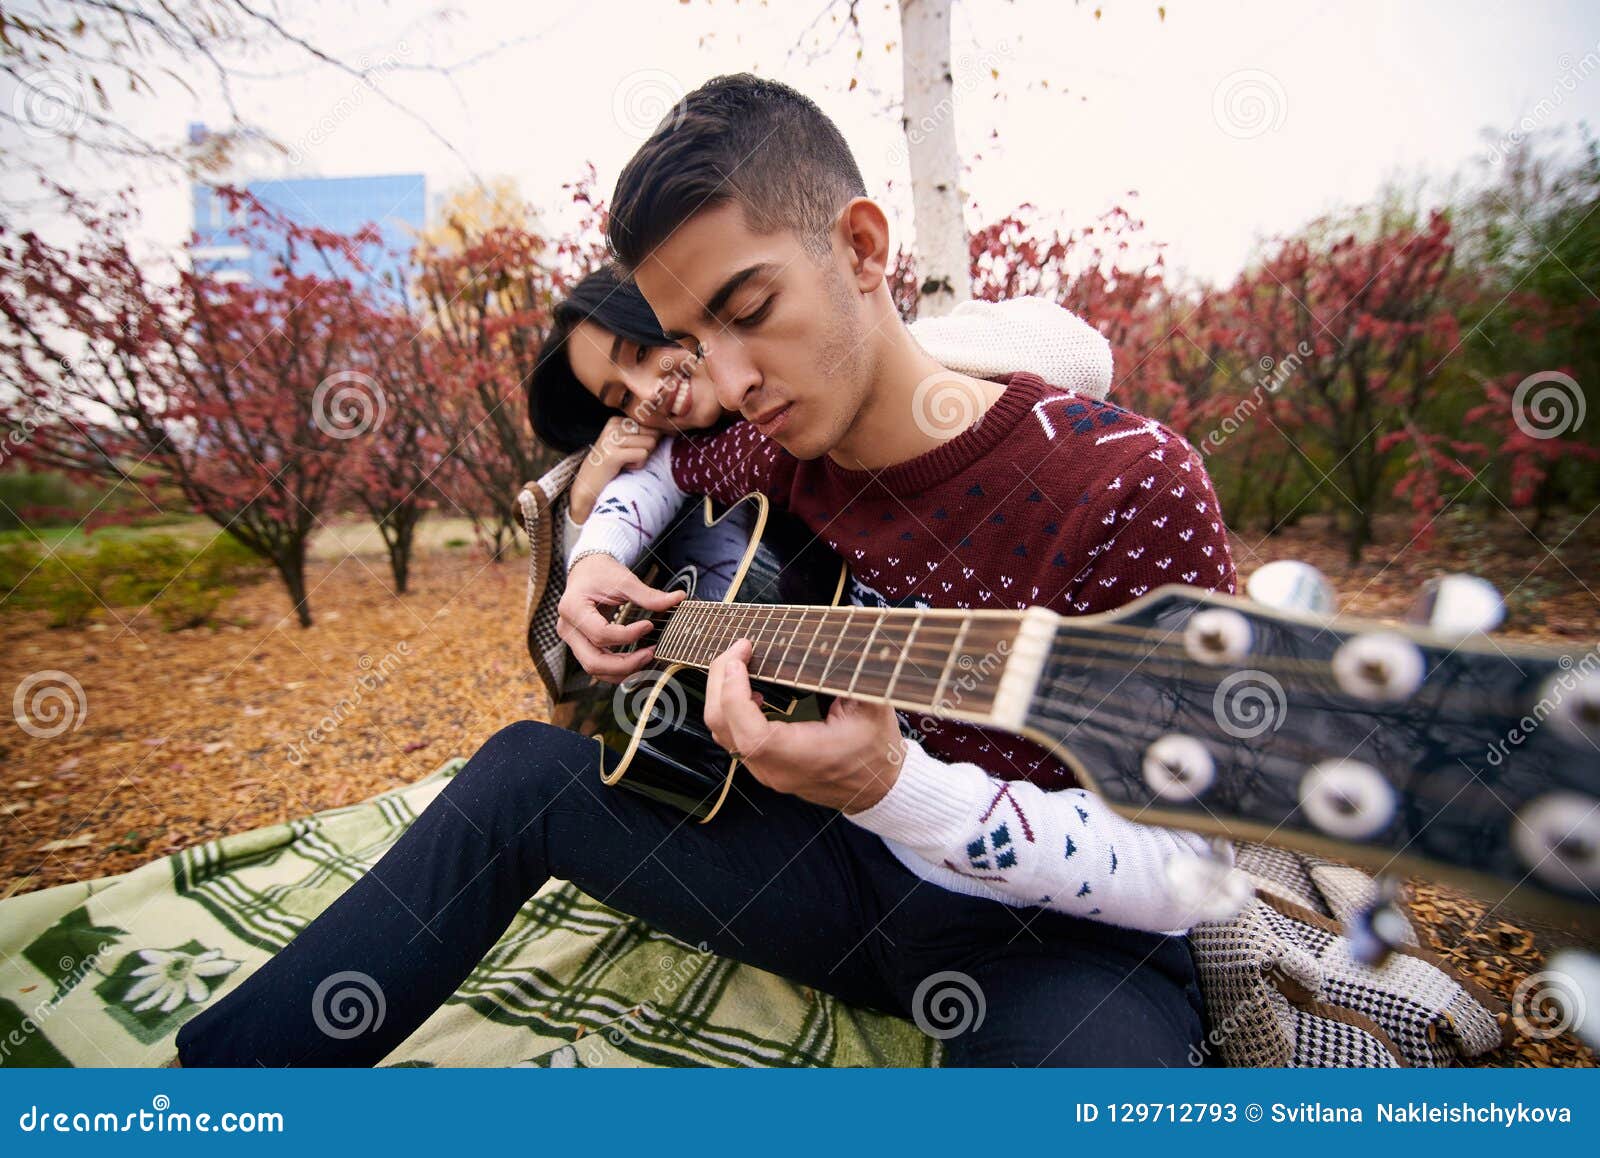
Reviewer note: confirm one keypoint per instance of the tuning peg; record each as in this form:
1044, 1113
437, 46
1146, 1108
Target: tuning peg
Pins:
1178, 768
1580, 970
1290, 585
1207, 884
1576, 701
1557, 835
1380, 928
1458, 605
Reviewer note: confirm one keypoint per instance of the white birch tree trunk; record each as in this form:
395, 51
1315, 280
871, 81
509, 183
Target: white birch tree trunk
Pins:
930, 128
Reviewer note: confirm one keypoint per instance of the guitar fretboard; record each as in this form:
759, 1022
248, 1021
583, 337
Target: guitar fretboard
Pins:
949, 660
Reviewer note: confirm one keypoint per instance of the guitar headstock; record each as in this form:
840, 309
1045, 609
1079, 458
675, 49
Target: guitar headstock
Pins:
1425, 747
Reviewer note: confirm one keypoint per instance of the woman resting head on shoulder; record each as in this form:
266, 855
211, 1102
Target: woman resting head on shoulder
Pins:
609, 380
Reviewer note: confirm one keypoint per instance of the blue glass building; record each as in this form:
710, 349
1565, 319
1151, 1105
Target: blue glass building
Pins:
395, 203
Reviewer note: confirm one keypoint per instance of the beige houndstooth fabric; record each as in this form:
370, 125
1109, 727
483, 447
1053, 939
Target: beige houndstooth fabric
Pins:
1283, 989
544, 505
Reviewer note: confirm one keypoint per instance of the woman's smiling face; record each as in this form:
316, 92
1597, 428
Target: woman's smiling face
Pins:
660, 387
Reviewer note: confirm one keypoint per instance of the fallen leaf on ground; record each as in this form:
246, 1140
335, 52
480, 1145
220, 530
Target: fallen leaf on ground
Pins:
83, 841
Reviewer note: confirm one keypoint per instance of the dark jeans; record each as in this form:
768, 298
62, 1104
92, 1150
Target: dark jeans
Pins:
772, 881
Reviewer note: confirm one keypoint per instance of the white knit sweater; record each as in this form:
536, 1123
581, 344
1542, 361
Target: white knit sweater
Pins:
984, 339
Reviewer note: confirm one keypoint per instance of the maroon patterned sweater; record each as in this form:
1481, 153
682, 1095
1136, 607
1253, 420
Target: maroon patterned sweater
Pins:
1049, 499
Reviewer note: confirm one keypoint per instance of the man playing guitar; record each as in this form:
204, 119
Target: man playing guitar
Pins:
745, 223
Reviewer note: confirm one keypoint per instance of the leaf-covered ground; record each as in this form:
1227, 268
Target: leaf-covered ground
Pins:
188, 736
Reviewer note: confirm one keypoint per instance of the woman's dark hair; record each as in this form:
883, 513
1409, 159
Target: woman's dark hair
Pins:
563, 413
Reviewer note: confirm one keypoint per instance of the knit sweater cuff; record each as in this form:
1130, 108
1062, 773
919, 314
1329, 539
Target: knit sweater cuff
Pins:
569, 531
930, 805
603, 536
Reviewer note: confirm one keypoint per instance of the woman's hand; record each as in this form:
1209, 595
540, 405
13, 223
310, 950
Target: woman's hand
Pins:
623, 445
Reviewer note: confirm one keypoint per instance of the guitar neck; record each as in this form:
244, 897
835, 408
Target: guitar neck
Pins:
981, 666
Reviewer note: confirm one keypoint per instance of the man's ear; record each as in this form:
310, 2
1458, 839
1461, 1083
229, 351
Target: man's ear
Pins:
864, 231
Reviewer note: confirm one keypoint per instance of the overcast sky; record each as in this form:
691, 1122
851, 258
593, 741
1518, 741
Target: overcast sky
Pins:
1233, 121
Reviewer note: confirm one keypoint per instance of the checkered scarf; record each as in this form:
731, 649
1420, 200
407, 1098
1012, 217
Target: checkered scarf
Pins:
544, 506
1282, 987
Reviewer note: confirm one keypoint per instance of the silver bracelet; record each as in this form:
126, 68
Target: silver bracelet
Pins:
573, 562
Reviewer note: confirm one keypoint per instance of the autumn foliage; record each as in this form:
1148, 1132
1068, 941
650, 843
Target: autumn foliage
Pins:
1357, 367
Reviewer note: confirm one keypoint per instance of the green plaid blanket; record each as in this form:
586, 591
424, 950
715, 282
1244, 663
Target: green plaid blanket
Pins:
102, 973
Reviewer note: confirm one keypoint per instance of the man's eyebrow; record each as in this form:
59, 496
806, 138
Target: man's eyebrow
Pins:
720, 298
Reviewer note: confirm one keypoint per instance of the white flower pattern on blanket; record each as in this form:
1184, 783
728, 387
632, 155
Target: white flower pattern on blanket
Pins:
169, 977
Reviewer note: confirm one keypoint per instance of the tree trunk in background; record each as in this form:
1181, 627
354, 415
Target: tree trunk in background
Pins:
929, 120
291, 565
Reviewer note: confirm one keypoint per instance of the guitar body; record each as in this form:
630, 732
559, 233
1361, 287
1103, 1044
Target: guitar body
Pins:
736, 554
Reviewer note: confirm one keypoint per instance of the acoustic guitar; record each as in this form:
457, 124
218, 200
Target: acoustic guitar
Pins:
1429, 749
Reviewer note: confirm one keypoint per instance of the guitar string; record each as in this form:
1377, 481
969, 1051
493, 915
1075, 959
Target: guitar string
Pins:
1065, 649
1115, 729
1062, 651
1043, 705
1113, 726
1086, 633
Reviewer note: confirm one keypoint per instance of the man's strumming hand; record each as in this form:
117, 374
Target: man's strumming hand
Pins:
847, 761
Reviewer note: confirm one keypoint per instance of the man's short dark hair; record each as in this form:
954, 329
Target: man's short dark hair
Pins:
735, 138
